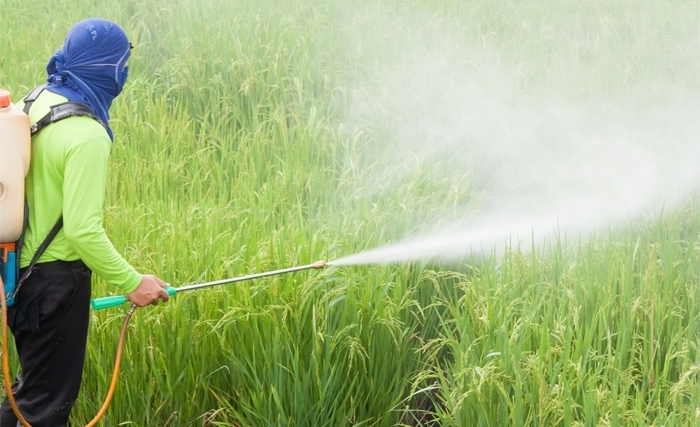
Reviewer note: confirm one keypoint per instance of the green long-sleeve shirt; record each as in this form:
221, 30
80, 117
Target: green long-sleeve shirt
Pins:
67, 176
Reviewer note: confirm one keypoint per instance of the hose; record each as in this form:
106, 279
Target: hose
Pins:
6, 364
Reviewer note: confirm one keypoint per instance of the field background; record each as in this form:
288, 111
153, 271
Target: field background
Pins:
240, 148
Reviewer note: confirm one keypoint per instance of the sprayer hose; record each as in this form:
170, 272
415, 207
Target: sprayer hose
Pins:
6, 364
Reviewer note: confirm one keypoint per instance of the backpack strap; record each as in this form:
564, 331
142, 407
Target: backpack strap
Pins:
31, 97
63, 111
45, 244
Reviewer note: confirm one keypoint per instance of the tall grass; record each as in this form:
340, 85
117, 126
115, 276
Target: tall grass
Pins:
605, 334
238, 149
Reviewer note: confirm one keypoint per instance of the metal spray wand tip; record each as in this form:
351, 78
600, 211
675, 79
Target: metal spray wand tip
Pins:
318, 264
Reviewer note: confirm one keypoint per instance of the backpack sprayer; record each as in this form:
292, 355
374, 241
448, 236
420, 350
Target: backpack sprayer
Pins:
15, 143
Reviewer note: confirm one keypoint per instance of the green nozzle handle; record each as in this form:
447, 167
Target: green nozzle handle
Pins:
108, 302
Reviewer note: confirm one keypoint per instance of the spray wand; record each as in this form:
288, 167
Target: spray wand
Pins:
106, 302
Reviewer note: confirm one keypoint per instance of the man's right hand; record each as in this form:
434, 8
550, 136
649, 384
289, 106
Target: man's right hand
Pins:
149, 291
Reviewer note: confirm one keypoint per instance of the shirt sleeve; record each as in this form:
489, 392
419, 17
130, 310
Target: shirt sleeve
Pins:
85, 176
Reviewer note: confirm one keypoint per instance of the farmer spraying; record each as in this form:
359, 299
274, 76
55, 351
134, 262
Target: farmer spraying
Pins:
64, 240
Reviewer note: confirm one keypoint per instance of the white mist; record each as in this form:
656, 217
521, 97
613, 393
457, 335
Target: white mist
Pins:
544, 163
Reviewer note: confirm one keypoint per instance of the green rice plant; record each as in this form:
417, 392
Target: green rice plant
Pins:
609, 339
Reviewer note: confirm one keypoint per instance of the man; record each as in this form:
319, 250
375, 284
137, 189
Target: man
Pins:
67, 177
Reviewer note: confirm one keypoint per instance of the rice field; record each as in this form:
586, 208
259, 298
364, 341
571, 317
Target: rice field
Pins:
251, 137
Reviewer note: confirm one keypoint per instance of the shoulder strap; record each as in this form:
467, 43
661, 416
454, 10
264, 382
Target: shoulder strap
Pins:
45, 244
31, 97
63, 111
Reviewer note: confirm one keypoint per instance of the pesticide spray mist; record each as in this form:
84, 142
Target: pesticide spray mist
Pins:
547, 146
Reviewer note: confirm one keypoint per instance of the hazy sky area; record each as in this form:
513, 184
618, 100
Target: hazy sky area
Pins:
538, 157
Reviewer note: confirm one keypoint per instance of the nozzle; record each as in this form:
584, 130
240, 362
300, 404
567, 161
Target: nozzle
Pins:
318, 264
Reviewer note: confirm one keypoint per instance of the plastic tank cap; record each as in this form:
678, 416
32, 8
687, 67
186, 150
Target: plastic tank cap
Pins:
5, 98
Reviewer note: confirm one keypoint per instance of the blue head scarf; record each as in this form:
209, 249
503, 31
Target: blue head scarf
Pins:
90, 66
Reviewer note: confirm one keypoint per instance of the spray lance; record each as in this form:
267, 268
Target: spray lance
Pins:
107, 302
113, 301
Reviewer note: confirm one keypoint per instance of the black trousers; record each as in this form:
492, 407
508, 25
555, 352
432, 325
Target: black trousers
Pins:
49, 321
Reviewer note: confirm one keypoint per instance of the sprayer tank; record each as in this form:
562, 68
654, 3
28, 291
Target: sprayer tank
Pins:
14, 163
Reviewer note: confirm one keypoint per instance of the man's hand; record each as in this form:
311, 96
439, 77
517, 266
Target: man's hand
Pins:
149, 291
